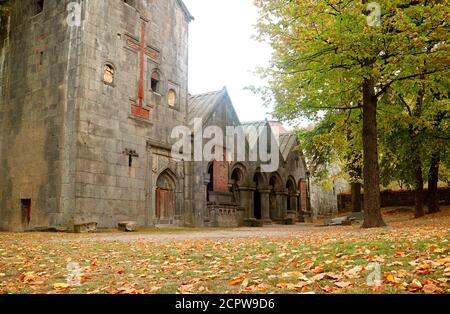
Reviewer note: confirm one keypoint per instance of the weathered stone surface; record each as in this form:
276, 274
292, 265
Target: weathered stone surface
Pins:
357, 216
50, 229
128, 226
85, 227
253, 223
340, 221
84, 146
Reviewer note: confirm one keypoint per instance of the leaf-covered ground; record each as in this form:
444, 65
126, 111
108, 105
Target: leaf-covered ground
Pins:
413, 257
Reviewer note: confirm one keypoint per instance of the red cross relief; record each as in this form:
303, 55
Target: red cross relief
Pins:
137, 109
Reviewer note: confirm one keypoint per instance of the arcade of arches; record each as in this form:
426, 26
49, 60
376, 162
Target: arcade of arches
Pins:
266, 197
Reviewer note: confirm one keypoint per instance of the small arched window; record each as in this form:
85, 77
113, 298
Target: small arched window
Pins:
38, 6
172, 98
131, 3
156, 82
108, 74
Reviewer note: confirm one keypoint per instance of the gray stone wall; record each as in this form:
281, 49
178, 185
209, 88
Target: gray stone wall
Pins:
324, 201
35, 103
107, 188
66, 133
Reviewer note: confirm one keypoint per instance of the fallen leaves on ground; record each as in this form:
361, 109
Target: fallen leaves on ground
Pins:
413, 257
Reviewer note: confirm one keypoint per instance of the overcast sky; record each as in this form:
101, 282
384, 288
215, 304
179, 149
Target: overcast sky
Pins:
222, 53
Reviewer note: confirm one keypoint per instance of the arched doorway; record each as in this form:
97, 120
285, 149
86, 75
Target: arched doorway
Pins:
165, 198
257, 204
236, 181
291, 205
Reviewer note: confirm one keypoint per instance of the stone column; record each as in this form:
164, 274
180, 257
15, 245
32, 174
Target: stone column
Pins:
206, 212
246, 197
265, 205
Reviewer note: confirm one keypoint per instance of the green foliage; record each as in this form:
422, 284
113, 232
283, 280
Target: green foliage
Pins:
324, 51
407, 129
333, 144
5, 6
5, 9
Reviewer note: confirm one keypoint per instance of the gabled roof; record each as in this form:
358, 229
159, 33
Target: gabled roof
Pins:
204, 105
185, 10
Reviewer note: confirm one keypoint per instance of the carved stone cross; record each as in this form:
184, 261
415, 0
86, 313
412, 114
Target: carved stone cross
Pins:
137, 109
131, 154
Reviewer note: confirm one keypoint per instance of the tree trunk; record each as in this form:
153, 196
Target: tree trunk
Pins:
419, 194
372, 201
433, 179
356, 197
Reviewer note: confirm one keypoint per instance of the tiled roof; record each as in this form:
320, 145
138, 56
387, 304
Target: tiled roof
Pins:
185, 10
202, 105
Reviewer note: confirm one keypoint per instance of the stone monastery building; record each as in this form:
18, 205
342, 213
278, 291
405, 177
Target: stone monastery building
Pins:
86, 116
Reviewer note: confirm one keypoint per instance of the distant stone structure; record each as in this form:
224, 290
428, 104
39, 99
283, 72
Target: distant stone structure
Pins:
324, 201
86, 116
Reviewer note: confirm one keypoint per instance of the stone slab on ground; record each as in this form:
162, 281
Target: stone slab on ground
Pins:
85, 227
339, 221
253, 223
127, 226
357, 216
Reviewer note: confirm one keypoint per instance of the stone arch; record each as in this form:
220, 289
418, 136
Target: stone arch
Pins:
240, 170
276, 181
167, 179
37, 7
238, 179
157, 81
109, 73
290, 185
261, 178
131, 3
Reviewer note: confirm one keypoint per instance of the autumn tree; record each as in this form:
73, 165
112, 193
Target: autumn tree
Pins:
413, 126
415, 137
334, 55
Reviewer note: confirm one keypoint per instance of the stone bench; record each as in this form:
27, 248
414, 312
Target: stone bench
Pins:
127, 226
85, 227
251, 222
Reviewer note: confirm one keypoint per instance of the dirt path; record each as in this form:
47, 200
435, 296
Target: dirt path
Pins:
398, 223
274, 231
299, 231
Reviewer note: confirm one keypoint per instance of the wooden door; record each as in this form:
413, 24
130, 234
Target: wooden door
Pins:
165, 204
